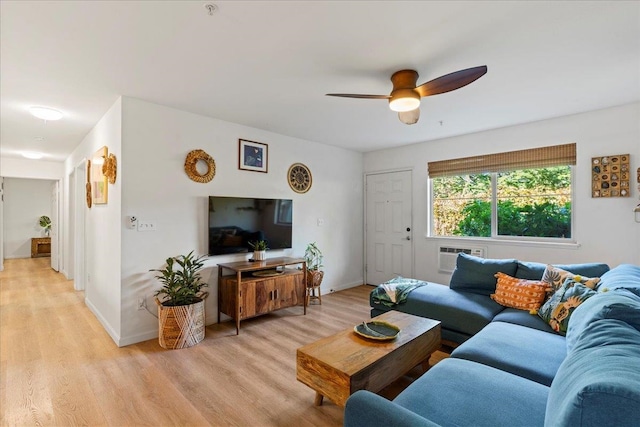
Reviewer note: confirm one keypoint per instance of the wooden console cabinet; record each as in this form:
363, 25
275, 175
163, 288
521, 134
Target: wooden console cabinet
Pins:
40, 246
243, 295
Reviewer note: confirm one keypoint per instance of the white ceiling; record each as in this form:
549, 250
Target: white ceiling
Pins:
268, 64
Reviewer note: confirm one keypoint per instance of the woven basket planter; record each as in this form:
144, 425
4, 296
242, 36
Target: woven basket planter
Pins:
314, 278
181, 326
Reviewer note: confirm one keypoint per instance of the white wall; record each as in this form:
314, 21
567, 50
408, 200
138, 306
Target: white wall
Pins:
604, 228
103, 246
156, 140
26, 200
25, 168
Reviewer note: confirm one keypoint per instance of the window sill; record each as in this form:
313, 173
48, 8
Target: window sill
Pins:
507, 242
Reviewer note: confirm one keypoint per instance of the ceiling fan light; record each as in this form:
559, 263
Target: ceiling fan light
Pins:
404, 100
45, 113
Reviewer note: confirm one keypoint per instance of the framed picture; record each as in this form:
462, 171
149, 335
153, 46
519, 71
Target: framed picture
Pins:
253, 156
99, 190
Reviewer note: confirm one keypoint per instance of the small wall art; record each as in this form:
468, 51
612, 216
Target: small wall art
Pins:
99, 189
610, 176
253, 156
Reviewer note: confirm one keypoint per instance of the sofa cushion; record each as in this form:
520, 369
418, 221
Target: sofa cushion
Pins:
463, 393
556, 276
364, 408
523, 318
477, 275
458, 311
598, 383
623, 276
620, 304
558, 309
535, 270
526, 352
519, 293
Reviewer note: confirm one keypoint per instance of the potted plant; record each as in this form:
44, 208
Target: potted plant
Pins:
259, 250
313, 258
181, 310
45, 222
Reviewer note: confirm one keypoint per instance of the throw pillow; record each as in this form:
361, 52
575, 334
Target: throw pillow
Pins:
519, 293
558, 309
555, 277
477, 275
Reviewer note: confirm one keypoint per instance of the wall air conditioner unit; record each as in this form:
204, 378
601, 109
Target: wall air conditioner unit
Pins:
447, 256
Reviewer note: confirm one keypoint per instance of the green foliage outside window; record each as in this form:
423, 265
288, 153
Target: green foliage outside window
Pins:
531, 202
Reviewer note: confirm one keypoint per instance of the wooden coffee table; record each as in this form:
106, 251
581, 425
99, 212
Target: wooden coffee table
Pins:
339, 365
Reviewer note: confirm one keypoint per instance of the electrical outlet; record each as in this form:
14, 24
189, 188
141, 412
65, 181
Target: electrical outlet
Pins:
146, 226
142, 303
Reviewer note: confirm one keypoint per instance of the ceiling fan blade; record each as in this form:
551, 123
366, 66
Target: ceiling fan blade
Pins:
452, 81
409, 117
351, 95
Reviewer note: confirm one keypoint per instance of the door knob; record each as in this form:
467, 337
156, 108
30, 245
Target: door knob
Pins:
408, 237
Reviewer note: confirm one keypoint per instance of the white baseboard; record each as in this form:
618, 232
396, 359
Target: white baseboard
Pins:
107, 327
335, 288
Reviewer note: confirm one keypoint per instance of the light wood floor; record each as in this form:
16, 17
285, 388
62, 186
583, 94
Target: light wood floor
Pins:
59, 367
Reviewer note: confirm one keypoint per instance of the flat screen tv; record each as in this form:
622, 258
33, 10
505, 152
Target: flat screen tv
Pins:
236, 221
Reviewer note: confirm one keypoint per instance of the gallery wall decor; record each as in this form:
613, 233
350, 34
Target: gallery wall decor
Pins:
253, 156
191, 163
610, 176
299, 177
110, 168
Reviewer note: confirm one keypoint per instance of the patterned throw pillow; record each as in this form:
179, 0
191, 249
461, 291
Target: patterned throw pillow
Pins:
557, 310
555, 277
519, 293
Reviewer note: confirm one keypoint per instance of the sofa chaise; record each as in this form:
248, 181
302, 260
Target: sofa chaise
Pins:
511, 367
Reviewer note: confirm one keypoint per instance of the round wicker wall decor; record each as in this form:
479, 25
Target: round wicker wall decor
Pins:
88, 191
190, 166
110, 168
87, 186
299, 177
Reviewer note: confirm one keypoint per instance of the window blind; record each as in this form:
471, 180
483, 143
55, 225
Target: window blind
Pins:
556, 155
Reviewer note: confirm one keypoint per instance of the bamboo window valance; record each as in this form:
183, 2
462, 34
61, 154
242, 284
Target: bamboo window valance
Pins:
556, 155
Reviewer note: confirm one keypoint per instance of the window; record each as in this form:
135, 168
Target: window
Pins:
522, 194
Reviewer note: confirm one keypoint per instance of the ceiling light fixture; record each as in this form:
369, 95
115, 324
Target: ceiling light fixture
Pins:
404, 100
45, 113
32, 155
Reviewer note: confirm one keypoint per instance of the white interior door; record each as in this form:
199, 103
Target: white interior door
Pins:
388, 225
54, 226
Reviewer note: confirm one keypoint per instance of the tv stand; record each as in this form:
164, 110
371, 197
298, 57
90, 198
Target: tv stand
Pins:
260, 287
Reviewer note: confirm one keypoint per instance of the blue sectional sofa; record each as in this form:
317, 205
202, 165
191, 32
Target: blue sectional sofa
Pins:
512, 369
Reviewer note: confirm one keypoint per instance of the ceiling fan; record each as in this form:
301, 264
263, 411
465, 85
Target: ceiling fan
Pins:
405, 96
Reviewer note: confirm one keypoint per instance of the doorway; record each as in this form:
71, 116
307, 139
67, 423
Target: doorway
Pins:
388, 226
